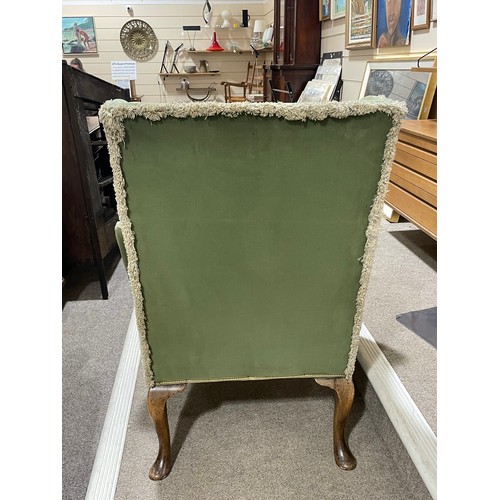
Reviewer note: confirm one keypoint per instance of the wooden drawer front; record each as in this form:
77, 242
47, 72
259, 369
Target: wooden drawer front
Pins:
419, 185
417, 211
420, 142
415, 151
416, 159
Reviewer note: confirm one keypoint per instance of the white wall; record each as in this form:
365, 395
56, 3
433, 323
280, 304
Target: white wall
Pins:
167, 18
354, 61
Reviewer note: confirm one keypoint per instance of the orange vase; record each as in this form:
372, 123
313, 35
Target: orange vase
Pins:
215, 46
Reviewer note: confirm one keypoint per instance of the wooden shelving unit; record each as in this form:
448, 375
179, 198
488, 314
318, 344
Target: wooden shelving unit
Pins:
183, 73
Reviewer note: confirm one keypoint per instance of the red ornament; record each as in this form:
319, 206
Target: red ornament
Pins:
215, 46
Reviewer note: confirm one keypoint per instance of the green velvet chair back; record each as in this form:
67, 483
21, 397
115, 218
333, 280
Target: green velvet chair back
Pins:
249, 231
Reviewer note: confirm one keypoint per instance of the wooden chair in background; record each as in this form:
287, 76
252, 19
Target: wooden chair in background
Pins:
246, 86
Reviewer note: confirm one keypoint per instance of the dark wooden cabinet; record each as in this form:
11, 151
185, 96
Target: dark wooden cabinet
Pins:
88, 200
297, 45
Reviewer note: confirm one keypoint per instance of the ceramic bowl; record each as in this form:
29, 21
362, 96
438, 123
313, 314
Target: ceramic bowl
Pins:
190, 69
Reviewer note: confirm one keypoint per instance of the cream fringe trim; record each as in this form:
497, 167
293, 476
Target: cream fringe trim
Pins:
113, 113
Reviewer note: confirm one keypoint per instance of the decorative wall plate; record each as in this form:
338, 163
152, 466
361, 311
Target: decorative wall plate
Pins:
138, 40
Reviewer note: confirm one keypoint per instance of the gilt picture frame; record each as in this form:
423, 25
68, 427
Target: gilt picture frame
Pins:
420, 15
78, 36
403, 79
338, 9
324, 10
397, 32
360, 30
434, 14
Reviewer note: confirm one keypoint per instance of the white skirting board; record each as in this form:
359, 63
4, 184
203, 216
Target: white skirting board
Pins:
104, 476
412, 428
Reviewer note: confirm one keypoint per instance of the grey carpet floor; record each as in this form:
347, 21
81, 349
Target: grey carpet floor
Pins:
252, 440
404, 278
267, 440
93, 333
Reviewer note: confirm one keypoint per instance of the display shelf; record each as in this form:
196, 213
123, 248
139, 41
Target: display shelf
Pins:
197, 73
197, 90
93, 123
225, 51
105, 181
228, 51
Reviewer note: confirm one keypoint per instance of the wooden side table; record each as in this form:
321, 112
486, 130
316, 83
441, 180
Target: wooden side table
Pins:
413, 182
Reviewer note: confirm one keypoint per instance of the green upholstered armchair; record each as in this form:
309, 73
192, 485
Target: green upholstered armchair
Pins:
248, 231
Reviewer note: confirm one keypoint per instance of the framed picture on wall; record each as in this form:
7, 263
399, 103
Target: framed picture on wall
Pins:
360, 24
434, 15
78, 35
421, 15
393, 23
324, 10
338, 9
397, 80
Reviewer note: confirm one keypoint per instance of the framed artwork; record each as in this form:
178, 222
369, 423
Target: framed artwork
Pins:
324, 10
318, 91
329, 71
338, 9
421, 15
393, 23
78, 35
396, 79
434, 10
361, 16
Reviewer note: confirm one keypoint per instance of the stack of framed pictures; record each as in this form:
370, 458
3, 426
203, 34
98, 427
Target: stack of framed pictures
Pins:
317, 91
322, 87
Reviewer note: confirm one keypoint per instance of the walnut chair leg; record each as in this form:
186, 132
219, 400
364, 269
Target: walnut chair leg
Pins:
344, 397
157, 407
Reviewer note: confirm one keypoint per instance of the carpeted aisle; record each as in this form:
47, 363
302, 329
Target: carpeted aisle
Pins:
93, 332
404, 278
265, 440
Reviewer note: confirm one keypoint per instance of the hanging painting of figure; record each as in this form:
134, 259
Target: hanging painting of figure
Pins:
78, 35
324, 10
393, 23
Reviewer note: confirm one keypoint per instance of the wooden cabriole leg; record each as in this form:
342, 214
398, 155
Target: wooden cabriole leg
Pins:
344, 397
157, 407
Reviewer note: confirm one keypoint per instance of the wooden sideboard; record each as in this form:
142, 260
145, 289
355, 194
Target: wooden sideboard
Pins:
413, 183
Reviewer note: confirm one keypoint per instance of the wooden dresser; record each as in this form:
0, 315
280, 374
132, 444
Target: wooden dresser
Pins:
413, 182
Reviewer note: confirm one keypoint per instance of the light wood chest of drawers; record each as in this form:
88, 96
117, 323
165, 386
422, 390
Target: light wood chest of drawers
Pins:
413, 183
